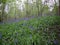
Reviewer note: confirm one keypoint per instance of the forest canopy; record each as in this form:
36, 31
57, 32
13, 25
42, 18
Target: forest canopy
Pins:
22, 8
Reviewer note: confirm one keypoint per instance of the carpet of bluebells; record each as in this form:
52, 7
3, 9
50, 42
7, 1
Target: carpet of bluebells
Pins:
36, 31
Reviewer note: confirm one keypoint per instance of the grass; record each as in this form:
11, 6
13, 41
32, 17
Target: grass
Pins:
37, 31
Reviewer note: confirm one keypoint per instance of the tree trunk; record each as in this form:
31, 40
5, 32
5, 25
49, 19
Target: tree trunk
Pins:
2, 16
59, 7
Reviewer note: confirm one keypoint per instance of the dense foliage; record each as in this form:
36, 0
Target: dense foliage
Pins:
37, 31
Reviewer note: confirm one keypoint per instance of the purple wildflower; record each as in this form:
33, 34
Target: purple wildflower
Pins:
0, 35
56, 42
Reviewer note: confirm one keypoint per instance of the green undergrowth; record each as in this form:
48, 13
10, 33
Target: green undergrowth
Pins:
37, 31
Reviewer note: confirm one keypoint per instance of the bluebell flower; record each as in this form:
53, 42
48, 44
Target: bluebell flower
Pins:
24, 24
15, 41
30, 36
56, 42
26, 18
0, 35
49, 41
31, 27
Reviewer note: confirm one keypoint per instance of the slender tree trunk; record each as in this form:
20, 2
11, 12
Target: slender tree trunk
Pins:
59, 7
37, 5
0, 13
3, 8
58, 10
27, 9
